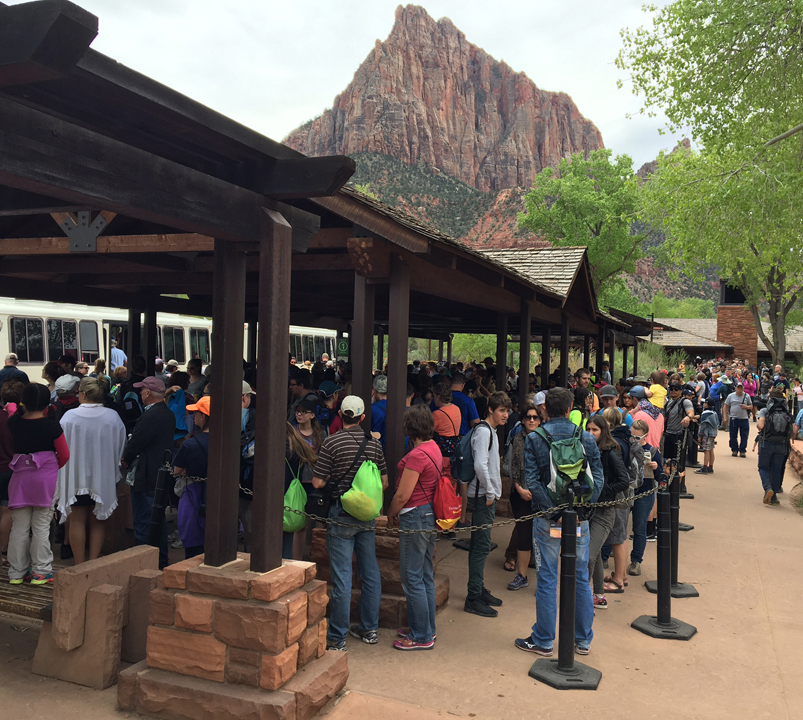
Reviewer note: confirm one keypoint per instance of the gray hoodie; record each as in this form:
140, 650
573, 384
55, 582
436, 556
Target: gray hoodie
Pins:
487, 464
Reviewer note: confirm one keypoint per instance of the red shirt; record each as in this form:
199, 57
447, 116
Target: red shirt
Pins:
426, 460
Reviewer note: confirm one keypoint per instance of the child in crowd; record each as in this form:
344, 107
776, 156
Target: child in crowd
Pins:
657, 390
709, 427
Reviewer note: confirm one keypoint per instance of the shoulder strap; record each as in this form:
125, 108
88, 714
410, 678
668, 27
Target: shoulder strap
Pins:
542, 432
449, 418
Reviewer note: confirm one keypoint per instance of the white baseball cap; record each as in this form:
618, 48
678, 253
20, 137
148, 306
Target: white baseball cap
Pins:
540, 398
352, 406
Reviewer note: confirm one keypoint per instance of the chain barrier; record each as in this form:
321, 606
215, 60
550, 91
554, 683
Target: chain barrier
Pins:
674, 462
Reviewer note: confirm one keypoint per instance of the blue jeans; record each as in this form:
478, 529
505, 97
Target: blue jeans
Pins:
771, 464
417, 572
287, 545
546, 593
141, 509
641, 511
342, 543
739, 428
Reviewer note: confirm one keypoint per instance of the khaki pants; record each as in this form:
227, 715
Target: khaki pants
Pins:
30, 553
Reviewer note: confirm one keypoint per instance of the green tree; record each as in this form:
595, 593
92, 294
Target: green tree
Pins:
466, 347
588, 202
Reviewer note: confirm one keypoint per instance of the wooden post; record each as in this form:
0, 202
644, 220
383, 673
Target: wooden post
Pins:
251, 355
361, 346
228, 302
624, 365
612, 357
525, 344
275, 251
546, 357
449, 350
501, 351
563, 378
398, 327
149, 340
440, 352
599, 348
380, 349
587, 351
635, 357
134, 338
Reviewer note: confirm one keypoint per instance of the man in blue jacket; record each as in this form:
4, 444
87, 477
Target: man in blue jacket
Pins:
558, 405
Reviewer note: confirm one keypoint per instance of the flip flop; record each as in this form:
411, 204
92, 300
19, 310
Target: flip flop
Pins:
510, 566
609, 578
618, 589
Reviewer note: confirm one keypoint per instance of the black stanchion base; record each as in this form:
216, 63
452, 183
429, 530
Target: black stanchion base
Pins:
685, 527
463, 544
580, 677
686, 496
692, 465
680, 590
675, 630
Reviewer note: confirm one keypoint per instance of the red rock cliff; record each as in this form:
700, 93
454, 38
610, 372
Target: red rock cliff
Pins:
428, 95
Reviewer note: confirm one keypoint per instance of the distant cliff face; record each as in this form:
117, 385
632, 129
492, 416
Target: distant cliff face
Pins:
427, 95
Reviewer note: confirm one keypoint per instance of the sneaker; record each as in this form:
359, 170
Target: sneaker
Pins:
605, 564
404, 632
489, 599
581, 650
478, 607
780, 490
775, 501
367, 636
768, 497
19, 581
173, 536
600, 601
65, 552
518, 582
177, 544
340, 646
710, 470
43, 579
652, 537
634, 568
528, 645
407, 643
702, 471
742, 455
733, 454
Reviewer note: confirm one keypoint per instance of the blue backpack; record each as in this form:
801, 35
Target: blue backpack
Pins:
463, 459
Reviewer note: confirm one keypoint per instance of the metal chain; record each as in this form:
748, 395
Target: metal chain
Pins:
487, 526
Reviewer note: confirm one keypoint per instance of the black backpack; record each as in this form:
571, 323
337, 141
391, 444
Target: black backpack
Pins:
778, 422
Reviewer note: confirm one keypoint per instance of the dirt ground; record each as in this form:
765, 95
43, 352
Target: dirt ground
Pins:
742, 556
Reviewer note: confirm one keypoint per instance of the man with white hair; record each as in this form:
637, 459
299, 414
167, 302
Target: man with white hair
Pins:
11, 372
118, 357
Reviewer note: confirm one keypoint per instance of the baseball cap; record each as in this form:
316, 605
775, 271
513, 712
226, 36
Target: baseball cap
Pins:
352, 406
637, 391
154, 384
381, 384
676, 386
67, 384
201, 406
66, 359
308, 403
172, 363
608, 391
540, 398
641, 379
327, 388
247, 389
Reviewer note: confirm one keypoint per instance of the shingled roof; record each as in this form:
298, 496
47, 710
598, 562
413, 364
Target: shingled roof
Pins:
555, 267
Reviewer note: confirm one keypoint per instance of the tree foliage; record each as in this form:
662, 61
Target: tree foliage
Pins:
588, 202
617, 295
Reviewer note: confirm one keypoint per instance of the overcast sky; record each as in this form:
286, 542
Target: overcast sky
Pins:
273, 64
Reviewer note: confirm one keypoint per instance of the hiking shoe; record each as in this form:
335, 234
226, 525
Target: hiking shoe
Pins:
733, 454
478, 607
581, 650
367, 636
768, 497
404, 632
742, 455
600, 601
340, 646
407, 643
42, 579
528, 645
780, 490
489, 599
634, 568
702, 471
605, 564
65, 552
774, 501
518, 582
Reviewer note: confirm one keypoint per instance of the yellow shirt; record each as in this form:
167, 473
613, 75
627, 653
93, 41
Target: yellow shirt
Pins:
658, 395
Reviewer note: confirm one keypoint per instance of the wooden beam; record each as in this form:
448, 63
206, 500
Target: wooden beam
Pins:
134, 338
44, 154
273, 343
361, 350
111, 244
331, 238
635, 356
370, 257
525, 345
321, 263
225, 421
304, 177
15, 202
546, 357
149, 344
398, 323
624, 365
42, 40
88, 265
501, 351
563, 377
587, 351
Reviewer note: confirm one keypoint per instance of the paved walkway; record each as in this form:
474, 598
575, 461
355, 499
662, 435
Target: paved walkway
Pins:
743, 557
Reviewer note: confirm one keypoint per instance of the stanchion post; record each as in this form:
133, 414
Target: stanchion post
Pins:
564, 673
161, 497
663, 625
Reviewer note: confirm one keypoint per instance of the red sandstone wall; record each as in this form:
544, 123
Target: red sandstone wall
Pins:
735, 327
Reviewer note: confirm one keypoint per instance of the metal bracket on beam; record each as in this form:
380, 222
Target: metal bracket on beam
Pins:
82, 231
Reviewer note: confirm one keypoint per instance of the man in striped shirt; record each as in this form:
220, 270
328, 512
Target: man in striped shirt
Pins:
339, 459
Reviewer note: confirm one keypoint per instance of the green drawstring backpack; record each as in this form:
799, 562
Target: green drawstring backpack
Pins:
295, 498
363, 500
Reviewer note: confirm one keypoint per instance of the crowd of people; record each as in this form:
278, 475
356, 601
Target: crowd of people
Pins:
67, 441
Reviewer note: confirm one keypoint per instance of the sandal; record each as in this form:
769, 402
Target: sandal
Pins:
617, 588
609, 578
510, 565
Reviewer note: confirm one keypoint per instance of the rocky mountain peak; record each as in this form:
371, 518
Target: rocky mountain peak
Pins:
427, 95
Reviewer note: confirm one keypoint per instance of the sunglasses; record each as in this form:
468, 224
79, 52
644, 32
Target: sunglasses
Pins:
531, 417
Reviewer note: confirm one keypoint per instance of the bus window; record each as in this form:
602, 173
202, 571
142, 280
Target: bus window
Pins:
332, 345
26, 339
320, 348
199, 345
308, 348
174, 344
62, 339
297, 352
90, 350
